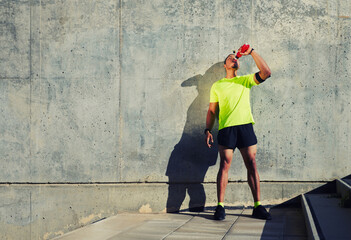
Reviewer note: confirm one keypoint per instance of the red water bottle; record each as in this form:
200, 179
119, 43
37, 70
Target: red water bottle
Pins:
242, 50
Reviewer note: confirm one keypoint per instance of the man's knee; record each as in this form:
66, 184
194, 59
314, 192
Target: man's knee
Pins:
251, 163
225, 165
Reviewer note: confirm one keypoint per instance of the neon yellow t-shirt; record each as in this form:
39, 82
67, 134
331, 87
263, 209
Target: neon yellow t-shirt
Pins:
233, 97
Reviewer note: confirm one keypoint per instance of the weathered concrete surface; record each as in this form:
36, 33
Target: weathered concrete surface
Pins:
117, 91
286, 224
44, 211
100, 91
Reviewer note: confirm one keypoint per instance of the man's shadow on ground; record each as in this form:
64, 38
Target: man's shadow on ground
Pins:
191, 158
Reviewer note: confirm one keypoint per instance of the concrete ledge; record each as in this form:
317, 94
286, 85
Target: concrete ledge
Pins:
43, 211
343, 188
310, 225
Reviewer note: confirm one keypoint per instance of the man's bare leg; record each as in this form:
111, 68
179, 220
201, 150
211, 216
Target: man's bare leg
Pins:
249, 156
226, 156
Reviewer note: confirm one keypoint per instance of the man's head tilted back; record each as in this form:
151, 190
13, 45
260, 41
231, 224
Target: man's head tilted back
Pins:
231, 62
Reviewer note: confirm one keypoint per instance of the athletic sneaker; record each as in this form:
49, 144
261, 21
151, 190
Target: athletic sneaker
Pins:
220, 213
261, 213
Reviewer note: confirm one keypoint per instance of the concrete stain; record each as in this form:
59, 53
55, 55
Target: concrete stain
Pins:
90, 218
145, 209
50, 235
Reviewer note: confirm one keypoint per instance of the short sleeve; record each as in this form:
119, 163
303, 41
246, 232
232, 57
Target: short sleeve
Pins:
250, 81
213, 94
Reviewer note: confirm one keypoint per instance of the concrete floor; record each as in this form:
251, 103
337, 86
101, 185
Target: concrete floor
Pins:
287, 223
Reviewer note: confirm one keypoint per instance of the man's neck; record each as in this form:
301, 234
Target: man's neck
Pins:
232, 73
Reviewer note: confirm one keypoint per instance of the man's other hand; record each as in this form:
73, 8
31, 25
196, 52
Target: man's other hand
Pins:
209, 139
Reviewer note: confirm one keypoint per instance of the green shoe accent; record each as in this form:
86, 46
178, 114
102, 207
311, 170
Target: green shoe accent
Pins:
258, 203
220, 204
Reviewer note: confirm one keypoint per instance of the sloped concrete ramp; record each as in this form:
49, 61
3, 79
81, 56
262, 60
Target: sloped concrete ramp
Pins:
287, 223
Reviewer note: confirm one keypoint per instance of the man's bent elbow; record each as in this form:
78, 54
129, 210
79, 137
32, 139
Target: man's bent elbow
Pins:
266, 74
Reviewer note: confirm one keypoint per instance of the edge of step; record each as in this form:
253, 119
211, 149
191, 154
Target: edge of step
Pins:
309, 220
343, 188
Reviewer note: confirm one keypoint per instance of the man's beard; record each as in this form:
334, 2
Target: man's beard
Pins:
235, 66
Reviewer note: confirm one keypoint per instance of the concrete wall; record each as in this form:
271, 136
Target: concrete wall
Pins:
116, 92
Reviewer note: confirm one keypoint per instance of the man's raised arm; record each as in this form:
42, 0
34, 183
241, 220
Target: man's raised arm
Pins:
265, 71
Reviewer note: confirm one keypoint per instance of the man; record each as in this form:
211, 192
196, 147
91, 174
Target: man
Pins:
231, 95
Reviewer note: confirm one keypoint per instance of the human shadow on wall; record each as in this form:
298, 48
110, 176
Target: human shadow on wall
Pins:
191, 158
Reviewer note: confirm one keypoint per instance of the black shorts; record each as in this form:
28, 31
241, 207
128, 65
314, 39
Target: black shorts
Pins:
237, 136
